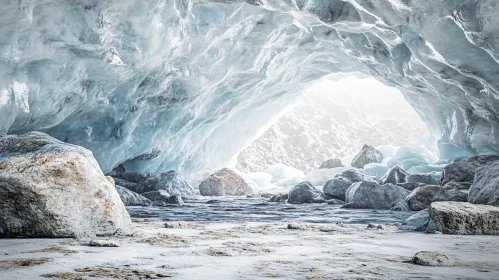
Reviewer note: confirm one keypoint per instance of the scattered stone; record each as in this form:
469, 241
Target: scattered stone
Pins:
422, 197
131, 198
400, 205
331, 163
427, 258
411, 186
395, 175
418, 221
176, 200
377, 226
485, 188
156, 196
463, 218
371, 195
22, 263
225, 182
368, 154
279, 198
305, 192
335, 201
177, 225
54, 189
463, 169
104, 243
172, 182
337, 187
297, 227
425, 178
108, 273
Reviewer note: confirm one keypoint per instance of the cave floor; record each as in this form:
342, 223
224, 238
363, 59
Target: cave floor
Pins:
238, 248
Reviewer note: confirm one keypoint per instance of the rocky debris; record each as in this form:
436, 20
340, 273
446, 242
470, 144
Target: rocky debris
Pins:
418, 221
411, 186
213, 201
422, 197
279, 198
175, 200
157, 196
463, 218
368, 154
400, 205
305, 192
298, 227
485, 188
54, 189
104, 243
108, 273
177, 225
377, 226
425, 178
337, 187
463, 169
172, 182
428, 258
335, 201
131, 198
371, 195
225, 182
395, 175
331, 163
132, 177
18, 263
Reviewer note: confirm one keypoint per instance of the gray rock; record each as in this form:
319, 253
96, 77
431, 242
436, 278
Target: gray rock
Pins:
176, 200
458, 185
425, 178
418, 221
157, 196
331, 163
463, 218
463, 170
371, 195
368, 154
298, 227
422, 197
485, 188
427, 258
400, 205
225, 182
411, 186
337, 187
104, 243
133, 177
131, 198
305, 192
376, 226
395, 175
126, 184
279, 198
172, 181
335, 201
54, 189
177, 225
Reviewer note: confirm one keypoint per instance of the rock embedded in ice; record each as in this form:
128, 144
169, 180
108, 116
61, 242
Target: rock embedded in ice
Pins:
305, 192
463, 170
463, 218
424, 178
418, 221
172, 181
225, 182
371, 195
338, 186
131, 198
104, 243
422, 197
400, 205
485, 187
53, 189
429, 258
368, 154
394, 176
331, 163
157, 196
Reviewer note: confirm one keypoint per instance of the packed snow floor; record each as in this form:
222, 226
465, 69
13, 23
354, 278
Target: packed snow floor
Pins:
252, 243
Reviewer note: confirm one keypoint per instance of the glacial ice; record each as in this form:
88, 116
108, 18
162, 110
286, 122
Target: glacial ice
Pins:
186, 84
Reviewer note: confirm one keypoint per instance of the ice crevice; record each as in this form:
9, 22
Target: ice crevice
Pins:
187, 84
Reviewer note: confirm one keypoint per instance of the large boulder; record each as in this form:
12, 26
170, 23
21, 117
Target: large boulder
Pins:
463, 218
331, 163
368, 154
422, 197
305, 192
394, 175
53, 189
172, 182
425, 178
485, 188
131, 198
371, 195
337, 187
428, 258
463, 169
225, 182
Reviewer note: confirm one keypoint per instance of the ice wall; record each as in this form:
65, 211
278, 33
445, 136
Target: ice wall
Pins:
186, 84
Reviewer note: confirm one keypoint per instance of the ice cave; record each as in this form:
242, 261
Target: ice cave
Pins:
286, 139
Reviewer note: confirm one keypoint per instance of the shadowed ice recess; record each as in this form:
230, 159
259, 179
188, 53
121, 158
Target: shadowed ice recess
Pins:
158, 85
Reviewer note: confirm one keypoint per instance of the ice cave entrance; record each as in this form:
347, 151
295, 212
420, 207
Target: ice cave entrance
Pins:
334, 119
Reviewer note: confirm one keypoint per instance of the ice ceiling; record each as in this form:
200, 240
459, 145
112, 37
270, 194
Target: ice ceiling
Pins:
186, 84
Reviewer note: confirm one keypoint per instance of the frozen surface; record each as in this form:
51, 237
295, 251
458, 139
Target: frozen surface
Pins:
187, 84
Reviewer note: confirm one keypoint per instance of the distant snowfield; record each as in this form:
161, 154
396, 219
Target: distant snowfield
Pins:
334, 119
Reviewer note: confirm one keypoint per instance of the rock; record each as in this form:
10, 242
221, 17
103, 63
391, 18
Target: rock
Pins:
371, 195
411, 186
213, 201
425, 178
394, 176
368, 154
337, 187
172, 182
177, 225
422, 197
331, 163
305, 193
485, 188
427, 258
176, 200
335, 201
225, 182
130, 198
400, 205
463, 170
104, 243
297, 227
458, 185
125, 184
377, 226
54, 189
418, 221
133, 177
463, 218
157, 196
279, 198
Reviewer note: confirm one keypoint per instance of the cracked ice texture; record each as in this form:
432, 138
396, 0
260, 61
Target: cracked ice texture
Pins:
187, 84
